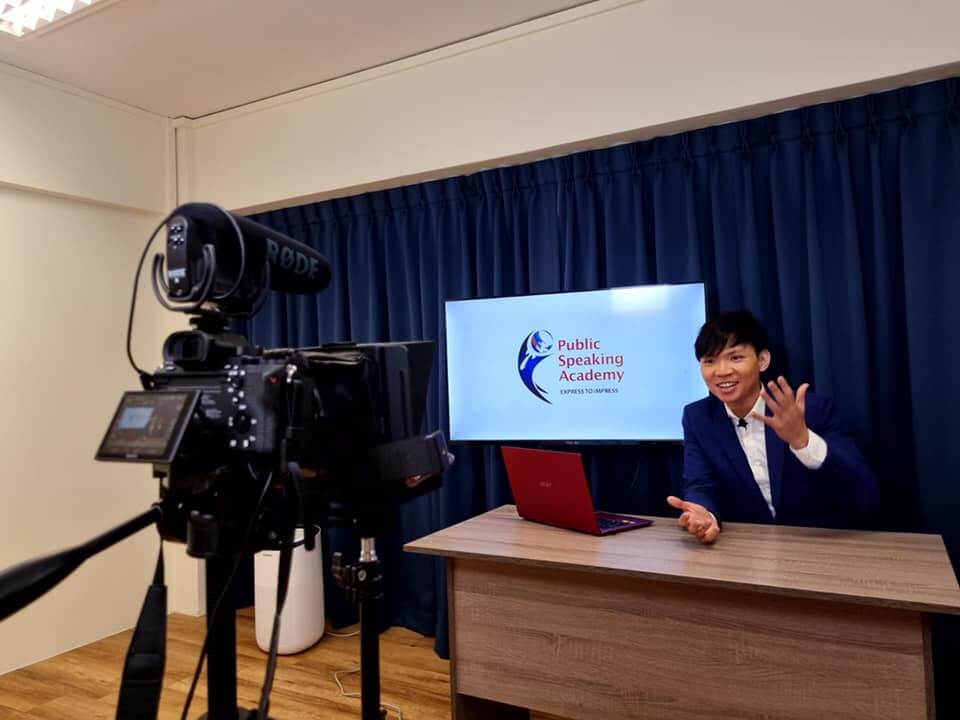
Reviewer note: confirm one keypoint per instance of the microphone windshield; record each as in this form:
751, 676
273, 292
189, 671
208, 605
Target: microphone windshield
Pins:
294, 266
242, 246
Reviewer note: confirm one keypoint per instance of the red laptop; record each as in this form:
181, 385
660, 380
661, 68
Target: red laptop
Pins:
551, 487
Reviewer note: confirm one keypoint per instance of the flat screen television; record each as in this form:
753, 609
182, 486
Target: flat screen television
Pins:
601, 365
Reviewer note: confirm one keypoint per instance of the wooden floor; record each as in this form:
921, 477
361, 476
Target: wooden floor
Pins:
84, 683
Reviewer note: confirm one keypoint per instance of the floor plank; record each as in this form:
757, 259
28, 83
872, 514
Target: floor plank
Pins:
85, 682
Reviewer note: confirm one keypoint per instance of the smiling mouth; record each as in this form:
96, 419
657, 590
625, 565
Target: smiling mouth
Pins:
727, 385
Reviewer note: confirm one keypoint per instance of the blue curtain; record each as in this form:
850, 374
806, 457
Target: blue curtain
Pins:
838, 225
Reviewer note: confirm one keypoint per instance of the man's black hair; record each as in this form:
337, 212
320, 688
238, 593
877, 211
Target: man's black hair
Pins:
731, 328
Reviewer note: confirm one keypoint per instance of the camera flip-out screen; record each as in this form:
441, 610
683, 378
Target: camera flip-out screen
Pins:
148, 426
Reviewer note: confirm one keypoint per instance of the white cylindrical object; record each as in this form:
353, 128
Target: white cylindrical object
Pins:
302, 622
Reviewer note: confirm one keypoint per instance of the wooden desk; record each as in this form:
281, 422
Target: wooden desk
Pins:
771, 622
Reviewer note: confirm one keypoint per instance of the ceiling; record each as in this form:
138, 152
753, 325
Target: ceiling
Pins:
188, 58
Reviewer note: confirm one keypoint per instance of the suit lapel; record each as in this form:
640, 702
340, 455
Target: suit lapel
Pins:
775, 450
728, 441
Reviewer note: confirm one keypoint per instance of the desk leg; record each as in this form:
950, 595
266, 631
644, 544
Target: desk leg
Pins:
467, 707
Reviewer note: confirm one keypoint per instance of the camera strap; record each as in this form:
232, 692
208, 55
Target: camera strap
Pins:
146, 657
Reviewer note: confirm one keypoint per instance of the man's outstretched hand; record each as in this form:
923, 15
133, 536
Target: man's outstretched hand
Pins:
789, 410
696, 520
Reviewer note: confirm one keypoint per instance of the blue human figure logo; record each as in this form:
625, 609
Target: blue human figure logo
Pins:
535, 348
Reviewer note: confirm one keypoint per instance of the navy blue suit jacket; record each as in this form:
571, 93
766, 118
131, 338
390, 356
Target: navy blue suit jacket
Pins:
840, 493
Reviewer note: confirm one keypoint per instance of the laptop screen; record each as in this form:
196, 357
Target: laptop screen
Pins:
550, 486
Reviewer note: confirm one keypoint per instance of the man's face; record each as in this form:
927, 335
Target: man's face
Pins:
733, 374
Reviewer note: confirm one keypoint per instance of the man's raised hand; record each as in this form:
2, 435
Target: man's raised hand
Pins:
789, 412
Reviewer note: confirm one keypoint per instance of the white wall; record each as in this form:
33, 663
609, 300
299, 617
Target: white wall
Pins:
82, 183
62, 141
605, 72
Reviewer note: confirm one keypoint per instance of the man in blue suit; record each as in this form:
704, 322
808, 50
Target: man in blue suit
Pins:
763, 454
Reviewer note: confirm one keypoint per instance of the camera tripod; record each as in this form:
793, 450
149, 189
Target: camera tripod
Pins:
24, 583
363, 584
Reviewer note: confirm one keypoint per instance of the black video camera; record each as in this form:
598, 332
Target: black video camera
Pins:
249, 444
341, 421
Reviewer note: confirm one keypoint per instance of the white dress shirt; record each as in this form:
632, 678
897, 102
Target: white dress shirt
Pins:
753, 440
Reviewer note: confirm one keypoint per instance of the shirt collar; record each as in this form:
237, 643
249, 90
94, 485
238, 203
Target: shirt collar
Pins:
759, 407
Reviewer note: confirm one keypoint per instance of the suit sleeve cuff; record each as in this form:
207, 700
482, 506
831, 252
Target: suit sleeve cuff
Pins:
813, 455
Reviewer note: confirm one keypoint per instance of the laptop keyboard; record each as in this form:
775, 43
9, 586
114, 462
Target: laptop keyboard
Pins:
607, 523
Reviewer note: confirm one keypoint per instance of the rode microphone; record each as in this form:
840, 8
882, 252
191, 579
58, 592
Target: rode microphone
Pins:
215, 256
294, 266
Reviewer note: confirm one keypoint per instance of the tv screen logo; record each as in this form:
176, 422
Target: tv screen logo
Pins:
536, 348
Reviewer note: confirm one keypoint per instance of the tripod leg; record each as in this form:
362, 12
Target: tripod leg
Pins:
369, 581
221, 651
370, 660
